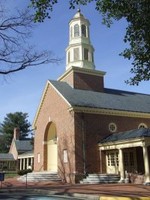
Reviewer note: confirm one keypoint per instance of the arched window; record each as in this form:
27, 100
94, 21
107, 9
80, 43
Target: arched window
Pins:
69, 57
86, 54
83, 30
71, 32
76, 54
92, 57
76, 30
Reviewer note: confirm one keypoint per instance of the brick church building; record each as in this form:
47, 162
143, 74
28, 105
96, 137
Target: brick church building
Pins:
82, 127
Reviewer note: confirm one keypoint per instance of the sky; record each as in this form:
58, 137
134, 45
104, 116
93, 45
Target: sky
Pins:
22, 91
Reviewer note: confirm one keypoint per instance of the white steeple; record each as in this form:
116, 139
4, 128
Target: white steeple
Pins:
79, 53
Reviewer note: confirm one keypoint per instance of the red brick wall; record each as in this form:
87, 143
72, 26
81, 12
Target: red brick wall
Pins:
95, 127
84, 81
69, 79
55, 108
72, 128
88, 82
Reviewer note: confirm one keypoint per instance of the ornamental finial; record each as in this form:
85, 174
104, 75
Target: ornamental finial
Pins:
79, 10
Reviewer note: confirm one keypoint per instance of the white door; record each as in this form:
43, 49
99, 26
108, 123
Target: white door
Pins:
112, 162
52, 156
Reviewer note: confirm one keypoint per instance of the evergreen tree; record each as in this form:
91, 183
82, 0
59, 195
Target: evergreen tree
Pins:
11, 121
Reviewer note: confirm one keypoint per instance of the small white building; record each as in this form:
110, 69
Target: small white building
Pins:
20, 156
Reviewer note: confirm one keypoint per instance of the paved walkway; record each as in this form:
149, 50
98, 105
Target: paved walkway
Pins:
122, 190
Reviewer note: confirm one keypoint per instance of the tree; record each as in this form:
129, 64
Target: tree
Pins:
11, 121
15, 52
137, 15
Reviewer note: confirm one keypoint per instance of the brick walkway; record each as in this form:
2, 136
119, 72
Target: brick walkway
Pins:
127, 190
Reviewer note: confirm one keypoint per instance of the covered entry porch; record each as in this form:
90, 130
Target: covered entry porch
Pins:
126, 153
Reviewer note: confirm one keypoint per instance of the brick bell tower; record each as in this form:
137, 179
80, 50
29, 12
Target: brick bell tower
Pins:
80, 68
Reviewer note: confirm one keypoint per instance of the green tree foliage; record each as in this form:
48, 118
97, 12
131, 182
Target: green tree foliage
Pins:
11, 121
2, 144
137, 15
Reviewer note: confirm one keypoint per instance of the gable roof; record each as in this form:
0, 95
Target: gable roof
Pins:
132, 134
109, 99
23, 145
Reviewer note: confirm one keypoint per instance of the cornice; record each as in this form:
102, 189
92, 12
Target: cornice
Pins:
41, 103
81, 70
121, 142
111, 112
128, 143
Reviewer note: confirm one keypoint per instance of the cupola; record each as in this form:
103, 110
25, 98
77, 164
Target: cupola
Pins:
80, 69
79, 53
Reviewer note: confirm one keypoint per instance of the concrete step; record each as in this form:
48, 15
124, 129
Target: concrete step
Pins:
40, 176
100, 178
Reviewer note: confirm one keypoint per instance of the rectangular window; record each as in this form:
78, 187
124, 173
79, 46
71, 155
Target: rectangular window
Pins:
112, 159
76, 54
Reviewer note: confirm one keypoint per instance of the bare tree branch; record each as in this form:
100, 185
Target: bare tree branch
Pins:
15, 53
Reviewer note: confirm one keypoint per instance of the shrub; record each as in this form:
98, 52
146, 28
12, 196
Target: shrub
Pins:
24, 171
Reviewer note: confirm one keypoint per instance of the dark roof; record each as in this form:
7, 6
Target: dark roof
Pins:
23, 145
132, 134
6, 156
109, 99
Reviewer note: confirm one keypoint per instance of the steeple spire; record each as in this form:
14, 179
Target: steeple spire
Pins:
79, 53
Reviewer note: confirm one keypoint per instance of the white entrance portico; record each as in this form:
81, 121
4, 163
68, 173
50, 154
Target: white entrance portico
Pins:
131, 154
26, 161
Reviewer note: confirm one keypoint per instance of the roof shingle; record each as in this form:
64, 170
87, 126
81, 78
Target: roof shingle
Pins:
6, 157
109, 99
132, 134
23, 145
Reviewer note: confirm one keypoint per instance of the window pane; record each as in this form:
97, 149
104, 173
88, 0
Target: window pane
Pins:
68, 57
76, 30
76, 54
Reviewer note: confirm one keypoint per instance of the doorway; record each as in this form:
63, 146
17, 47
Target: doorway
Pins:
52, 148
112, 162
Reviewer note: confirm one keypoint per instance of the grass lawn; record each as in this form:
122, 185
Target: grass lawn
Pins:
10, 174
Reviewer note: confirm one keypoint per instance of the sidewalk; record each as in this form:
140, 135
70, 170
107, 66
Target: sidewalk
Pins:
122, 190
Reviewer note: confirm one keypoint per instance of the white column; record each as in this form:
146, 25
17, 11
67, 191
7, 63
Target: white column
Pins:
32, 162
20, 167
24, 163
146, 164
101, 165
121, 166
27, 165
